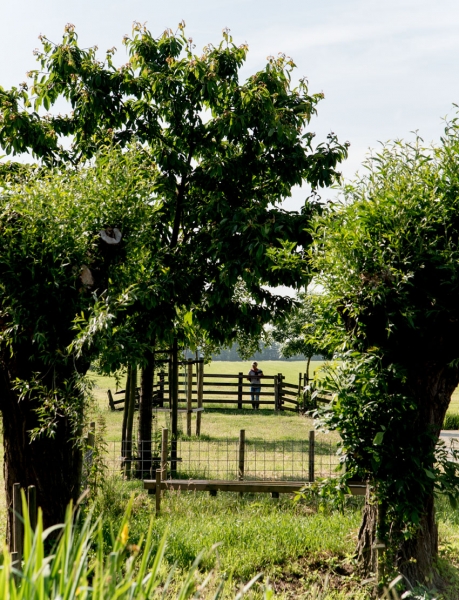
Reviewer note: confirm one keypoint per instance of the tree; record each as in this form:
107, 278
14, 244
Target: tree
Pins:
299, 334
54, 264
388, 255
220, 155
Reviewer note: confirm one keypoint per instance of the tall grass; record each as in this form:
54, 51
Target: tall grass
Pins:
79, 568
255, 533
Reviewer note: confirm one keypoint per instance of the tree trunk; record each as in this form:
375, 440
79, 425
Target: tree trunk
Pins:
52, 464
415, 558
130, 421
145, 417
308, 363
125, 415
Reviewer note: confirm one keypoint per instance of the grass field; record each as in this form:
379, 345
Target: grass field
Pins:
294, 544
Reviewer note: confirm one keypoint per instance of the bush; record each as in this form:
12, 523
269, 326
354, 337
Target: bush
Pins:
451, 421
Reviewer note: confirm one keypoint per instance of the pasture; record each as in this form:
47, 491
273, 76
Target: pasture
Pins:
294, 544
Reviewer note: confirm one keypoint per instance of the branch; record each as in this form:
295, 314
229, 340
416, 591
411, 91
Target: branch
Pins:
179, 203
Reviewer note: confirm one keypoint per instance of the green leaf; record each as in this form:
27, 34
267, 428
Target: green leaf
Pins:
378, 438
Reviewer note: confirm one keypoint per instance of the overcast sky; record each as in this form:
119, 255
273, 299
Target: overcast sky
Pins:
386, 67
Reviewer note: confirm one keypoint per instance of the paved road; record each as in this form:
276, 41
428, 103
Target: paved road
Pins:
449, 435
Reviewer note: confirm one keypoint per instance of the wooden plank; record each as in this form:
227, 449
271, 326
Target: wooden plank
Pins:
230, 393
235, 384
199, 485
286, 399
235, 376
291, 385
179, 410
223, 401
289, 408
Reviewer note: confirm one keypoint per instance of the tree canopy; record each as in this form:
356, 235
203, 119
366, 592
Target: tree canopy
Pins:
300, 333
186, 169
224, 156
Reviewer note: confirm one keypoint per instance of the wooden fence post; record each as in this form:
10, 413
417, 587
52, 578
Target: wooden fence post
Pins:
158, 492
280, 391
125, 416
311, 455
18, 529
276, 394
32, 504
173, 391
189, 392
164, 435
300, 380
161, 389
111, 402
200, 384
241, 454
239, 390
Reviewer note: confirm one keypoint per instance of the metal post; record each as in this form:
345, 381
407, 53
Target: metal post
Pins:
189, 392
311, 455
164, 436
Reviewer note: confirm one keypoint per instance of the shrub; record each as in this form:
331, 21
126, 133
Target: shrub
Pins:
451, 421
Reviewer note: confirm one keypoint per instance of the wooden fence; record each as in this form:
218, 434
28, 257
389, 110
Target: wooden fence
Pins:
223, 389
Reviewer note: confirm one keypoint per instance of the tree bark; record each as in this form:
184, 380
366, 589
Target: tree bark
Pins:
130, 420
144, 440
432, 385
52, 464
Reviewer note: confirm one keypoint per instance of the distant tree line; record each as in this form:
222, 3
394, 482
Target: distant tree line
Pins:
267, 352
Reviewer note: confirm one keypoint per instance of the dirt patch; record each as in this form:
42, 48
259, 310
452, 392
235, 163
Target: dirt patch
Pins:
321, 572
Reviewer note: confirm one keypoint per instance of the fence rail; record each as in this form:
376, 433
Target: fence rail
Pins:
226, 389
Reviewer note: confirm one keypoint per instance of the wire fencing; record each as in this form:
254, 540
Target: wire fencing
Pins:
227, 459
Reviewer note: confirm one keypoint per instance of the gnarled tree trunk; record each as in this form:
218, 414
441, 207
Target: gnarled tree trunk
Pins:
144, 441
432, 385
52, 464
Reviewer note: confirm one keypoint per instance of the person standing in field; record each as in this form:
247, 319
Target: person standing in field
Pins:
254, 376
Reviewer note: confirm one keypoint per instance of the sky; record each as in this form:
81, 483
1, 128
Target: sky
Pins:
387, 67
